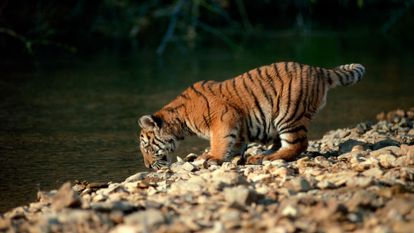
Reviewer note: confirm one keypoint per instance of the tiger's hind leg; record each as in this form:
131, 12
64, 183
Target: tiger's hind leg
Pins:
292, 144
274, 147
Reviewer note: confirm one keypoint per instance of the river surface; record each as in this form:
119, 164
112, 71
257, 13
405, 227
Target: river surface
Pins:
76, 119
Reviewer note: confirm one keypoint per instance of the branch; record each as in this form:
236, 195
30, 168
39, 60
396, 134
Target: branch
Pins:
171, 27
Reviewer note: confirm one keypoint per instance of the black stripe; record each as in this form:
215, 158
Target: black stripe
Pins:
158, 143
208, 87
297, 140
266, 95
184, 96
232, 135
317, 89
281, 88
226, 109
272, 88
305, 98
289, 98
174, 109
249, 115
328, 74
233, 85
227, 88
221, 88
273, 106
340, 77
206, 121
323, 87
358, 71
266, 128
207, 103
313, 86
299, 99
293, 130
197, 129
258, 106
249, 126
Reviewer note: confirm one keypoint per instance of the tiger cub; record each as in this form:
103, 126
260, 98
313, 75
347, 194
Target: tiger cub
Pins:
271, 104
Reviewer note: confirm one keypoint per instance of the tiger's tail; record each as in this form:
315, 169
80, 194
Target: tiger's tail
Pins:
345, 75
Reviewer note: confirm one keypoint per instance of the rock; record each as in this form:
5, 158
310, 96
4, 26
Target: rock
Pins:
404, 161
189, 167
393, 150
194, 184
340, 178
259, 177
385, 143
299, 184
137, 177
4, 224
177, 167
190, 157
97, 185
407, 150
18, 212
278, 163
99, 197
228, 166
400, 226
45, 197
239, 196
230, 217
325, 184
218, 228
280, 172
147, 219
387, 160
121, 206
226, 178
237, 160
359, 182
65, 197
373, 172
78, 187
122, 228
349, 144
290, 211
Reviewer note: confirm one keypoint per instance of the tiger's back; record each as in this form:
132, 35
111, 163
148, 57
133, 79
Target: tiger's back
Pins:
270, 104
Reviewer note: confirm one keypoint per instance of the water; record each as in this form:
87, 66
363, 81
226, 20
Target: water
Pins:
77, 119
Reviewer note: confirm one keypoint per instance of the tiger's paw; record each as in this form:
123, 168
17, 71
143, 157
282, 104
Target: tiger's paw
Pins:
255, 160
209, 159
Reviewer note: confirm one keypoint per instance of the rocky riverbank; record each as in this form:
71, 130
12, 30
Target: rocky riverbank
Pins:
352, 180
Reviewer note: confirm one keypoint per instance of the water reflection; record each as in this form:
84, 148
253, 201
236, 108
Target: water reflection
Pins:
77, 120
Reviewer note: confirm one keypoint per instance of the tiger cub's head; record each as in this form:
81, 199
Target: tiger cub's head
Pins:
156, 141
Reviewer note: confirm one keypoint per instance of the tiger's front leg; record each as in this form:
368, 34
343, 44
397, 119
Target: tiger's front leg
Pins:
225, 137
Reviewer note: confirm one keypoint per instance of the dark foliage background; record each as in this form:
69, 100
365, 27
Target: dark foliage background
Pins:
28, 27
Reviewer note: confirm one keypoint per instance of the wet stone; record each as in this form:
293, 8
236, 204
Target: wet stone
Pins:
65, 197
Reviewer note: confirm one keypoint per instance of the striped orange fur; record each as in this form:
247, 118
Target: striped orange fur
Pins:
271, 104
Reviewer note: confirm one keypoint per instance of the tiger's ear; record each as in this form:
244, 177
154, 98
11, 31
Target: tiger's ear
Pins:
148, 122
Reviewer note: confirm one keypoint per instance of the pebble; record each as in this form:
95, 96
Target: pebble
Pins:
239, 196
147, 219
65, 197
189, 167
299, 184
